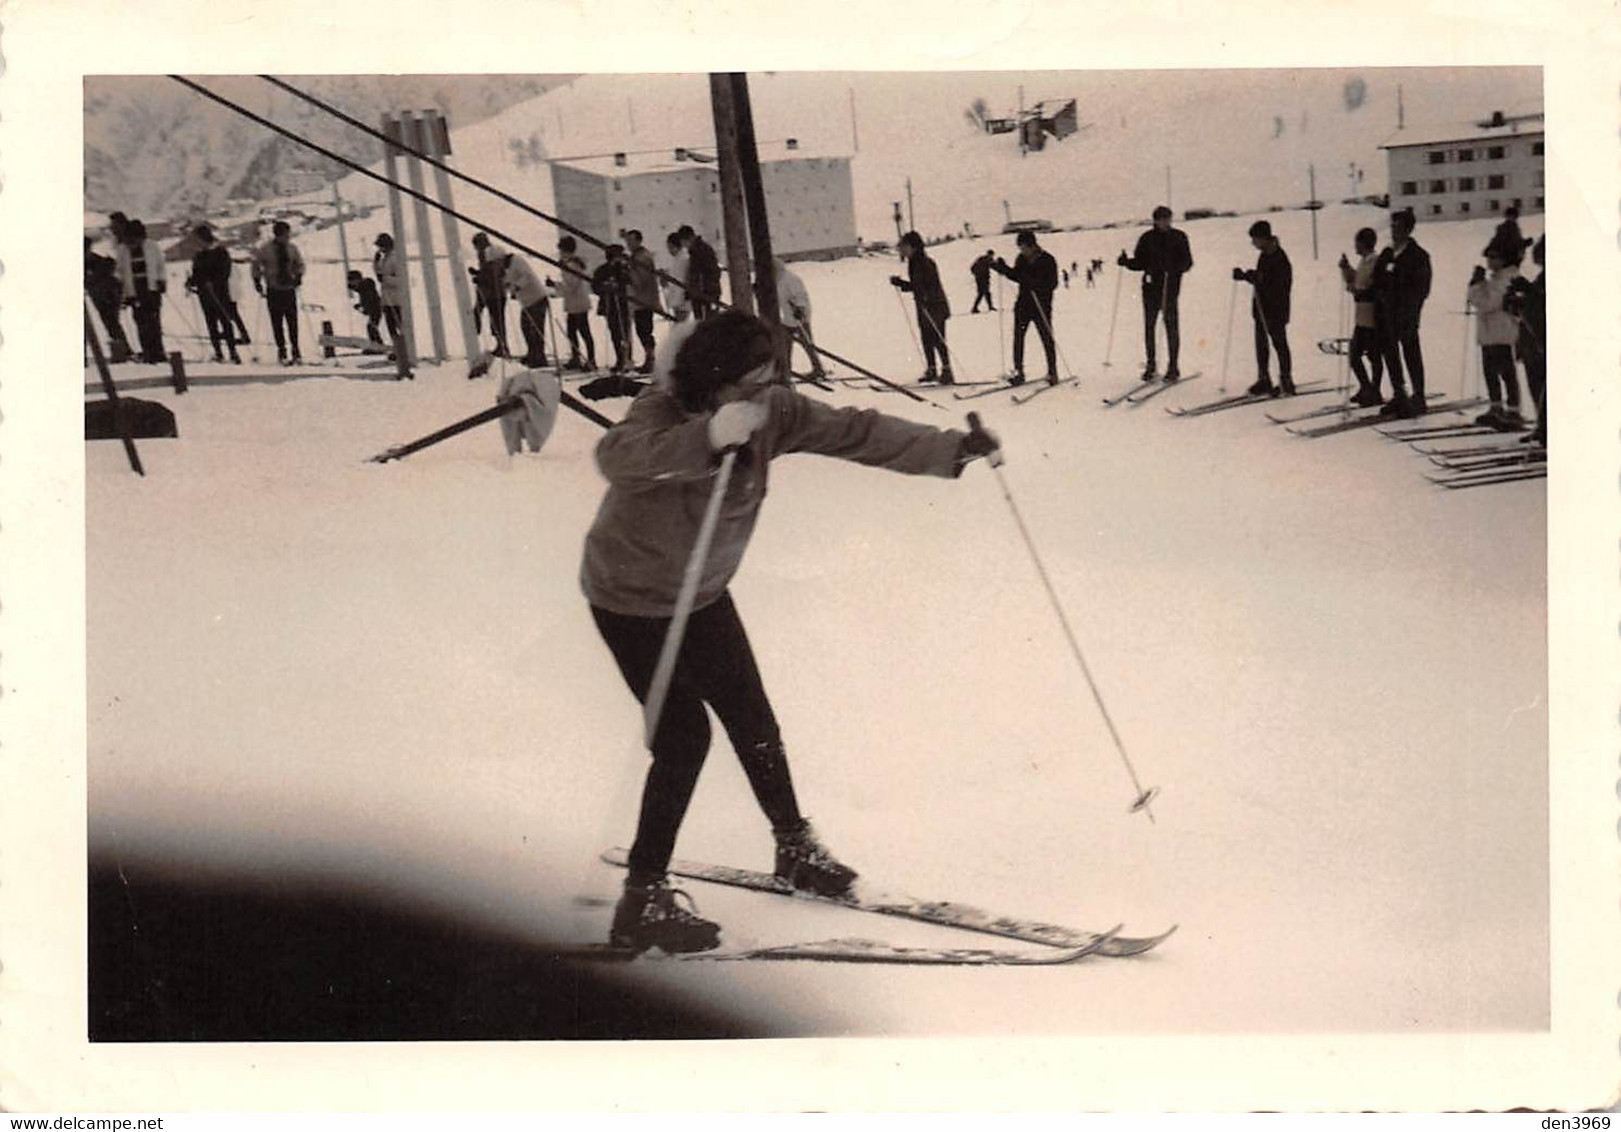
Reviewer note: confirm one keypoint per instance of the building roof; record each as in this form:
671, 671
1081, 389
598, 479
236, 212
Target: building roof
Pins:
664, 160
1460, 132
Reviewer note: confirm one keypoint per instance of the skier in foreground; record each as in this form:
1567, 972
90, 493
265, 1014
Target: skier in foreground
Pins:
715, 389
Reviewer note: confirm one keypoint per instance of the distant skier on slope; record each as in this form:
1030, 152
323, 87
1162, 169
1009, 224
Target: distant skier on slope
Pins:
1036, 273
981, 271
933, 308
1273, 279
1163, 256
715, 390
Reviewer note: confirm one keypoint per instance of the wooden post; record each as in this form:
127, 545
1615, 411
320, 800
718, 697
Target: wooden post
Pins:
411, 135
177, 369
1311, 176
326, 337
765, 273
435, 136
734, 221
405, 343
120, 420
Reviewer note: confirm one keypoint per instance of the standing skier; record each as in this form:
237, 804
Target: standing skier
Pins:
1364, 349
1036, 273
533, 308
933, 309
101, 284
1163, 256
1496, 329
610, 282
1273, 279
368, 302
385, 267
1528, 300
210, 281
141, 275
714, 391
981, 271
642, 294
674, 285
794, 312
492, 259
703, 272
278, 271
576, 288
1401, 281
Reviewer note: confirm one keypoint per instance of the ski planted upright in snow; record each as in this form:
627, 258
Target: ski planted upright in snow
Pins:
941, 913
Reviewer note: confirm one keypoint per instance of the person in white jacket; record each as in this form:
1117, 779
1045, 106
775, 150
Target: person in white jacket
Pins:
525, 286
141, 272
794, 306
676, 300
385, 268
576, 289
1496, 331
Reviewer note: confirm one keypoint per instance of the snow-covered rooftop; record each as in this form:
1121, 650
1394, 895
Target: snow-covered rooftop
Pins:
1523, 126
667, 161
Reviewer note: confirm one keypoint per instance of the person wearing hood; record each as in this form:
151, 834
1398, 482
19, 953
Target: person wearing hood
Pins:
716, 391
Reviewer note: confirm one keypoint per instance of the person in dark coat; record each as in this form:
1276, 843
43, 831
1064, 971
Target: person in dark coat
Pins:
1273, 279
1163, 256
210, 281
1507, 243
1036, 273
703, 272
1367, 358
369, 303
642, 293
492, 262
981, 271
1528, 300
611, 284
1401, 284
106, 295
141, 276
933, 309
716, 391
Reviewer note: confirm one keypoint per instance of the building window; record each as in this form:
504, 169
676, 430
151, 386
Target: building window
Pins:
1466, 184
1438, 157
1409, 188
1518, 202
1466, 155
1494, 205
1435, 210
1497, 181
1438, 186
1539, 202
1494, 153
619, 210
1536, 149
1464, 207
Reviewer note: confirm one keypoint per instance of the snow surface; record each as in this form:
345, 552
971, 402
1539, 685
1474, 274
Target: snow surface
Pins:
1335, 672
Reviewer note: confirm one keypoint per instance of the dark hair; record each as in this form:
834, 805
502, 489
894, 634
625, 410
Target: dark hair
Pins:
280, 228
1404, 218
685, 231
912, 238
1366, 236
614, 250
384, 240
1511, 212
481, 238
1026, 240
353, 275
673, 240
637, 232
566, 244
1162, 211
720, 350
203, 232
136, 229
1262, 229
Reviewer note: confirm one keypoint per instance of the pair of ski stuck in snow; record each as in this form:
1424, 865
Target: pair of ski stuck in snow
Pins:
1054, 945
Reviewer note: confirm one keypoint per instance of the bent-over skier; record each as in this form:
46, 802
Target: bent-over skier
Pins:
715, 390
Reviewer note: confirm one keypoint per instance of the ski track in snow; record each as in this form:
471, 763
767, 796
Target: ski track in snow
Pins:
1335, 673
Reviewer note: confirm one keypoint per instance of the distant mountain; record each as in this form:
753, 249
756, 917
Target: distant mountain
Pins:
153, 148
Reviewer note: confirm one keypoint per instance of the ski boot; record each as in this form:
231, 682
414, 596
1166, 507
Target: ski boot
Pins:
805, 863
1150, 372
1016, 377
1286, 387
946, 377
1261, 388
1490, 417
648, 915
928, 377
1172, 374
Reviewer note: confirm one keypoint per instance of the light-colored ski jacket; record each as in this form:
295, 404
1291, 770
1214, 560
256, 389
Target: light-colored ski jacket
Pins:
1494, 326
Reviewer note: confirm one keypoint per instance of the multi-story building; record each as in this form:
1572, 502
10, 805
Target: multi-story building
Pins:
1465, 172
810, 200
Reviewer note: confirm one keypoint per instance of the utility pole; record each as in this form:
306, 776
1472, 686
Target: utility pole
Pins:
435, 138
734, 222
405, 349
430, 267
1168, 188
343, 250
899, 231
765, 271
1315, 205
911, 218
855, 137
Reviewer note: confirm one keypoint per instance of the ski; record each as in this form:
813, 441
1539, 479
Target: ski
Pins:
1478, 449
1368, 420
1342, 407
924, 386
1138, 386
1311, 388
1139, 396
1498, 475
998, 387
853, 951
1040, 387
352, 342
1523, 458
941, 913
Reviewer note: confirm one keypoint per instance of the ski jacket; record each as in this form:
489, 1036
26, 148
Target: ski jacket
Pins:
522, 282
386, 266
1159, 254
101, 279
369, 302
610, 281
792, 299
1402, 283
1274, 278
211, 274
278, 266
643, 281
1494, 326
1507, 243
143, 273
703, 270
1359, 282
675, 294
981, 268
926, 290
1037, 279
1533, 300
575, 287
661, 470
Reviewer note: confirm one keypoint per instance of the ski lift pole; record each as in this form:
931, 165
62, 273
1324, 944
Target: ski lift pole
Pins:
1143, 798
664, 670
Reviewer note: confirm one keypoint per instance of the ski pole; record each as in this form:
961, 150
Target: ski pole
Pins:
1227, 343
1143, 797
1108, 351
665, 669
945, 351
1001, 330
1463, 362
917, 343
1053, 338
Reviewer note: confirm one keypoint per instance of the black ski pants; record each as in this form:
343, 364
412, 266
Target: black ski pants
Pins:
1497, 362
1025, 312
217, 317
1160, 298
107, 307
933, 336
579, 329
1401, 344
1275, 331
982, 292
1367, 364
715, 667
643, 319
534, 333
284, 319
149, 325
